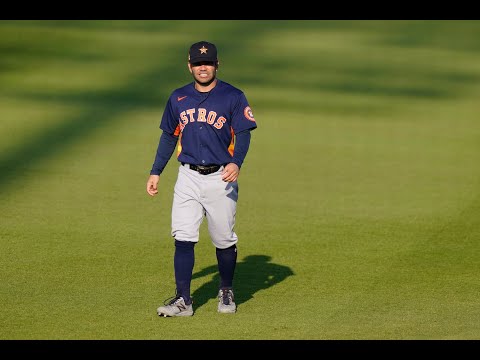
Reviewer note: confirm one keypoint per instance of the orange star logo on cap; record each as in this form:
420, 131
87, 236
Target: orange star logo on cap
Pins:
203, 50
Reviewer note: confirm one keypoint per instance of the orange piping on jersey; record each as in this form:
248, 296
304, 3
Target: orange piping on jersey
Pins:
232, 142
178, 133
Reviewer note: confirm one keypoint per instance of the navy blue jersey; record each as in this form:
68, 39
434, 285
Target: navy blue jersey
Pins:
206, 122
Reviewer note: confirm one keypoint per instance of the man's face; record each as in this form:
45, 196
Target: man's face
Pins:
203, 72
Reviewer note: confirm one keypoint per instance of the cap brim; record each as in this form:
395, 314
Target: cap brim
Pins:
200, 59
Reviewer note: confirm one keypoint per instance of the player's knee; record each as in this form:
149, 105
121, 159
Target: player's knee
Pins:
225, 243
185, 236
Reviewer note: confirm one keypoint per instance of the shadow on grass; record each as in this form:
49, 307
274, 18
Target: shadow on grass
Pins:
253, 274
150, 88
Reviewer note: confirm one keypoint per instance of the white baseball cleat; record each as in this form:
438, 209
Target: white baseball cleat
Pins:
226, 301
175, 306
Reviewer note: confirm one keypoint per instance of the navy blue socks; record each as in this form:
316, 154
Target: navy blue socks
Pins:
227, 259
183, 262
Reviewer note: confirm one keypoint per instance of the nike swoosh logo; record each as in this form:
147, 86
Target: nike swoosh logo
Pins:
180, 98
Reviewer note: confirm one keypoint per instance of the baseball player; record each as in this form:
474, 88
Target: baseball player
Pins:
210, 121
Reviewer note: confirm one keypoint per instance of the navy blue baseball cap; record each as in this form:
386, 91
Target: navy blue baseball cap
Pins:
202, 51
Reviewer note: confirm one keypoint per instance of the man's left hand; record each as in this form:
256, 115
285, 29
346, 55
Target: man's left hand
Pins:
230, 172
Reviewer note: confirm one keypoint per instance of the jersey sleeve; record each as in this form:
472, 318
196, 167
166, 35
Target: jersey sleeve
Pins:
165, 149
242, 144
169, 122
242, 116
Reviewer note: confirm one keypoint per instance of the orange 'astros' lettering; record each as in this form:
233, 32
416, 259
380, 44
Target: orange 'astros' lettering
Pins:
202, 116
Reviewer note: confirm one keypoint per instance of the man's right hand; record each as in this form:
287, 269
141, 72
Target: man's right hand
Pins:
152, 185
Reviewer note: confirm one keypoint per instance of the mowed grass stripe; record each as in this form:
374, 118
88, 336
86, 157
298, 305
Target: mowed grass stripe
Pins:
359, 199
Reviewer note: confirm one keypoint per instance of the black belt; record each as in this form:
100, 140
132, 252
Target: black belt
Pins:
204, 170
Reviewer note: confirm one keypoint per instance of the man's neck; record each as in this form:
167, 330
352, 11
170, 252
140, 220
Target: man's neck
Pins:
205, 88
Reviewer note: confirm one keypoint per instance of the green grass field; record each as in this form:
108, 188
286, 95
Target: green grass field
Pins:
359, 209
